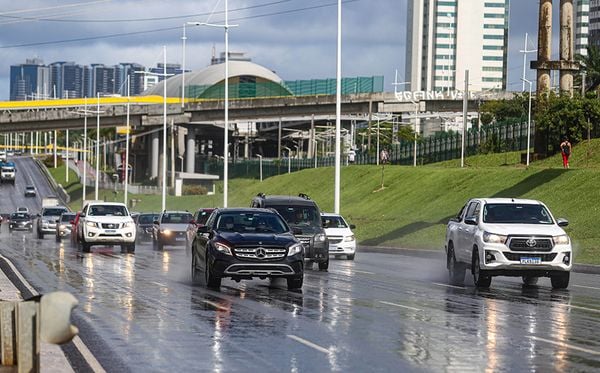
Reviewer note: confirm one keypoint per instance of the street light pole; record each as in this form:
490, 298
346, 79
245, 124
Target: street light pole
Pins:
126, 166
529, 119
465, 110
260, 166
164, 164
67, 151
183, 39
338, 111
85, 150
97, 144
378, 141
55, 144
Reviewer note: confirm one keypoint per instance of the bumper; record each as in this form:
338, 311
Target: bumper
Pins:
29, 194
498, 261
173, 239
47, 228
229, 266
20, 227
342, 248
109, 236
63, 232
144, 233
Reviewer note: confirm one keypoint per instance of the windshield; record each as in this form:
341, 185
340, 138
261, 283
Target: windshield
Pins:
8, 169
334, 222
19, 215
251, 222
300, 216
176, 218
514, 213
108, 210
147, 219
29, 187
202, 217
67, 217
53, 211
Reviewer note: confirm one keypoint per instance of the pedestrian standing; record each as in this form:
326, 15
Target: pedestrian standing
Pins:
565, 150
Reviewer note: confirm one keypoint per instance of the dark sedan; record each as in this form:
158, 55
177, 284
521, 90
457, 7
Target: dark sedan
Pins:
20, 221
145, 223
244, 244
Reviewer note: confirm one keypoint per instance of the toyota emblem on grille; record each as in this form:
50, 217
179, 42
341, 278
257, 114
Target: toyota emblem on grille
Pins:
531, 242
260, 253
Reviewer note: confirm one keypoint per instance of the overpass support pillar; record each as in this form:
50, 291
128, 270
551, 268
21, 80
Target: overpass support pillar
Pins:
155, 151
190, 151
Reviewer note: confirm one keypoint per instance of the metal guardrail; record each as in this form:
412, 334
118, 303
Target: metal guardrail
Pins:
23, 325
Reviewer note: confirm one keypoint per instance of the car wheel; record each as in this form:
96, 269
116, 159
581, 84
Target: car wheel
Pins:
196, 274
480, 279
131, 248
560, 280
323, 266
308, 264
351, 256
530, 280
295, 282
456, 270
160, 246
212, 281
85, 247
10, 230
40, 235
154, 244
57, 238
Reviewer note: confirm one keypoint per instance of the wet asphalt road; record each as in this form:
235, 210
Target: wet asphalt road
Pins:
140, 312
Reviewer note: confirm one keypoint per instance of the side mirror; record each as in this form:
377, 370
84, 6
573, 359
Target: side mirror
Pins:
352, 226
471, 220
156, 222
562, 222
203, 229
296, 231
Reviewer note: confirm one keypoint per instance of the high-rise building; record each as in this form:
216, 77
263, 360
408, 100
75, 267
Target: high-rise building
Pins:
136, 80
69, 80
445, 38
172, 69
29, 81
594, 24
582, 25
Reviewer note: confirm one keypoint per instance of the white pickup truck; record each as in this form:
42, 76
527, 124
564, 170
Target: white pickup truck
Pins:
508, 237
106, 223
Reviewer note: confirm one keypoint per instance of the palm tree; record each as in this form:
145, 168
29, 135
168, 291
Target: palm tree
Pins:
590, 64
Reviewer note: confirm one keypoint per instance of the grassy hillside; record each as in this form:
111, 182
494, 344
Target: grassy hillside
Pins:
413, 208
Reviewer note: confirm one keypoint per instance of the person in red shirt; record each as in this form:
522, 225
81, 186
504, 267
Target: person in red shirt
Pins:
565, 150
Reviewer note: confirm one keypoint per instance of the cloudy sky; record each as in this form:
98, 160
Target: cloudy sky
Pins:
295, 38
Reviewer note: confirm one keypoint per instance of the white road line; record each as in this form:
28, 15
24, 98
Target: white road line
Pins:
87, 355
584, 308
215, 305
308, 343
365, 272
449, 286
159, 284
585, 287
21, 278
399, 305
562, 344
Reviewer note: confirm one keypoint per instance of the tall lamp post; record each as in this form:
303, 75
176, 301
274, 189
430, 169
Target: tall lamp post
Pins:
529, 119
126, 165
338, 110
226, 26
260, 166
97, 144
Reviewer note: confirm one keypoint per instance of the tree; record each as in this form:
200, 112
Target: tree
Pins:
590, 64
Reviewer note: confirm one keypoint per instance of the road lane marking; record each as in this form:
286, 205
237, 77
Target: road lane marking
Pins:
449, 286
346, 271
215, 305
562, 344
584, 308
159, 284
20, 276
399, 305
308, 343
365, 272
585, 287
87, 355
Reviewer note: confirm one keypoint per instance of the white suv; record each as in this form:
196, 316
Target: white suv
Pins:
508, 237
340, 235
106, 223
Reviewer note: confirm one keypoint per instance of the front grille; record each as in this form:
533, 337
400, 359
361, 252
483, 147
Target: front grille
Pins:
261, 253
530, 243
305, 240
259, 270
110, 225
335, 239
516, 257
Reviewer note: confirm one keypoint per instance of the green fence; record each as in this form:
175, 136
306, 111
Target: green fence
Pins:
499, 138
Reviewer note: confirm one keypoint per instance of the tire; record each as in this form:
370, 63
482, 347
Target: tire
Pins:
308, 264
85, 247
154, 244
350, 256
480, 279
131, 248
323, 266
530, 280
160, 246
456, 270
560, 280
58, 238
40, 235
196, 274
294, 283
212, 281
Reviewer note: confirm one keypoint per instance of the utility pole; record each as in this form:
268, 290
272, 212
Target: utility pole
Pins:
465, 110
525, 51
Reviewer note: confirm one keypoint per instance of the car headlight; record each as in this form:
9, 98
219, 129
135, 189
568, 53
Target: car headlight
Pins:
320, 237
561, 240
91, 224
62, 226
296, 248
166, 232
222, 248
127, 225
349, 238
493, 238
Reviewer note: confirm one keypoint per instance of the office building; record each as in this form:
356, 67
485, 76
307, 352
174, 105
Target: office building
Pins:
29, 81
445, 38
582, 25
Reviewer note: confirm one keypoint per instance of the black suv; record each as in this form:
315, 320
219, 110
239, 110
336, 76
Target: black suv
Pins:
243, 243
304, 216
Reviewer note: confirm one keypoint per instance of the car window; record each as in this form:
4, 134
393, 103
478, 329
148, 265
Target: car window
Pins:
516, 213
20, 215
67, 217
251, 222
107, 210
471, 210
300, 215
202, 217
334, 222
459, 216
176, 218
146, 219
53, 211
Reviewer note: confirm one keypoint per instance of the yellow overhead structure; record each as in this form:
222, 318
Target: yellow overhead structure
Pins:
39, 104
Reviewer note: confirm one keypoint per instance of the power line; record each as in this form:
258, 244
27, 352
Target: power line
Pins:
4, 14
164, 28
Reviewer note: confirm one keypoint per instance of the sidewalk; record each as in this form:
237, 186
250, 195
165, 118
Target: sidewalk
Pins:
440, 254
52, 358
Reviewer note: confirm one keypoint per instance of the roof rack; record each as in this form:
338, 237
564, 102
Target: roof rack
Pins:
305, 196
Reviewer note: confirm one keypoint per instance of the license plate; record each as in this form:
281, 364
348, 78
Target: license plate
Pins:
536, 260
111, 231
180, 239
